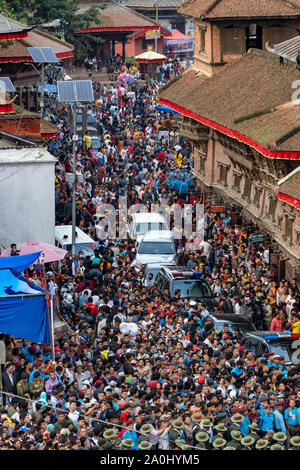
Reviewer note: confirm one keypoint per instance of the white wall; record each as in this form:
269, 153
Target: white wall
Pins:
27, 203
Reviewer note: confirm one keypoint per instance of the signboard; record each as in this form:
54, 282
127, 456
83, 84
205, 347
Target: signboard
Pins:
257, 238
215, 208
152, 34
177, 46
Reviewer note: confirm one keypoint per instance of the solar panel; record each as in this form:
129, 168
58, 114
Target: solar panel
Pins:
42, 55
6, 85
77, 90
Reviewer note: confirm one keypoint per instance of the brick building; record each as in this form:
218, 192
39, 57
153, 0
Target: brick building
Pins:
226, 29
239, 113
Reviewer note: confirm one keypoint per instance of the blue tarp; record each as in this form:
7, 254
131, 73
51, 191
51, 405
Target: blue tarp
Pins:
23, 309
48, 88
165, 109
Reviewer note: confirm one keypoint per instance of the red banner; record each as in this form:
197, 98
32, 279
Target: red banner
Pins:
215, 208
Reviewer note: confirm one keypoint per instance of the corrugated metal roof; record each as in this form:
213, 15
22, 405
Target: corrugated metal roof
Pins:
152, 3
288, 49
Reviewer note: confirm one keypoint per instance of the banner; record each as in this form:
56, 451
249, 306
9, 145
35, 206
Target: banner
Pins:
152, 34
177, 46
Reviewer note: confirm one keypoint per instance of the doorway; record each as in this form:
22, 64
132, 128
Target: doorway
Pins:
254, 36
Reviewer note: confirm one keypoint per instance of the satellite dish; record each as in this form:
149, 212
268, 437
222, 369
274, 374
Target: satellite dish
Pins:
133, 329
124, 328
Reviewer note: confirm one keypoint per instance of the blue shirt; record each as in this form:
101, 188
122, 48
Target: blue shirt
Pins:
292, 416
266, 422
279, 423
244, 426
237, 371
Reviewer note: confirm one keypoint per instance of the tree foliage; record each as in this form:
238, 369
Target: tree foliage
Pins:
44, 11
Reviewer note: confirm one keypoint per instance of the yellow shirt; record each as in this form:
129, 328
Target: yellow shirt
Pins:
88, 141
296, 327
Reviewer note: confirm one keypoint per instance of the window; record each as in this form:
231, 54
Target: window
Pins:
202, 32
223, 174
257, 194
288, 227
231, 41
247, 188
237, 182
272, 207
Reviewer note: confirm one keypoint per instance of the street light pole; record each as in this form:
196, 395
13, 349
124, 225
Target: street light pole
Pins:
42, 103
73, 108
156, 19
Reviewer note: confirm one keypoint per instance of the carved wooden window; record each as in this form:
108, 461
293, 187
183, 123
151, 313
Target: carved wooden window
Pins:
247, 188
289, 227
237, 182
272, 207
223, 174
202, 33
257, 194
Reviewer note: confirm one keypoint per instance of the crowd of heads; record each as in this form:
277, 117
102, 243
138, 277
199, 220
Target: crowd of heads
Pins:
136, 368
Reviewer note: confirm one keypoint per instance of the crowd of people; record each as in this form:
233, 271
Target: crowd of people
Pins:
176, 383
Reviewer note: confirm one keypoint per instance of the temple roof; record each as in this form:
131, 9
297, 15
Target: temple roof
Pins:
12, 29
240, 9
264, 116
117, 17
18, 52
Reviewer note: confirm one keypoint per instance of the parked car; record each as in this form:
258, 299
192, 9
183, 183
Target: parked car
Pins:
189, 283
232, 320
280, 343
155, 246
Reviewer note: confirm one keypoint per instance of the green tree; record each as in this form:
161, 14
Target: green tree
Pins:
67, 11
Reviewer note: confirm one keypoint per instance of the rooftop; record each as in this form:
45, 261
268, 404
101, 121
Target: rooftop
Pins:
151, 4
25, 155
18, 52
288, 49
10, 27
290, 185
262, 116
117, 17
241, 9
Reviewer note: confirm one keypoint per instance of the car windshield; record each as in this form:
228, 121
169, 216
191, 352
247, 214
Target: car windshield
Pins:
156, 248
145, 227
86, 248
192, 288
281, 349
242, 327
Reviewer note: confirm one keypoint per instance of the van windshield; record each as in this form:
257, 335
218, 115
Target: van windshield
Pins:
146, 227
192, 288
156, 248
86, 248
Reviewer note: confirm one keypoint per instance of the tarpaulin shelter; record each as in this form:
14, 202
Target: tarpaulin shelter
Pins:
51, 252
23, 308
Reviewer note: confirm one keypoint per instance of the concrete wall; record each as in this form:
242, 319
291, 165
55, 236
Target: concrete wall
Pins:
27, 204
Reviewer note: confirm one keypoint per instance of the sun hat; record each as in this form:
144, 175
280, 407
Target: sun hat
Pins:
261, 444
145, 445
277, 447
236, 435
219, 442
177, 424
279, 436
146, 428
237, 418
202, 436
248, 441
110, 433
127, 442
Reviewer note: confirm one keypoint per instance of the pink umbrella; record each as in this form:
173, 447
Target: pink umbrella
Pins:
51, 252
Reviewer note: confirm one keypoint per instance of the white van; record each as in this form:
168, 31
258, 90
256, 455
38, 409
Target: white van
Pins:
84, 243
141, 223
156, 246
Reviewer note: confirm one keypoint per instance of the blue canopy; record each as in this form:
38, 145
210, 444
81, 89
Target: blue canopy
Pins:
165, 109
23, 308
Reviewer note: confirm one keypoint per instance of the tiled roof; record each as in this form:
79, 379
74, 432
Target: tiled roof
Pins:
35, 39
217, 9
117, 16
251, 95
290, 185
172, 4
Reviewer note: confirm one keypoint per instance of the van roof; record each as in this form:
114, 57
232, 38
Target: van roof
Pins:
148, 217
63, 234
154, 235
